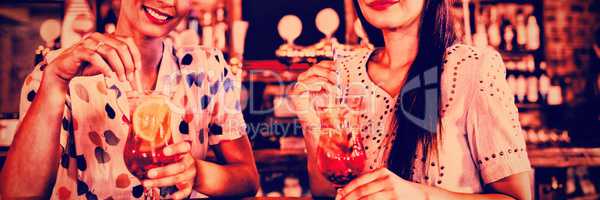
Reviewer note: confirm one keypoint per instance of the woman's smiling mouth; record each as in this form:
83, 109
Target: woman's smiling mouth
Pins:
156, 16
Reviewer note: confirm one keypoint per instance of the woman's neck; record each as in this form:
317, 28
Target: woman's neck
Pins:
150, 51
401, 46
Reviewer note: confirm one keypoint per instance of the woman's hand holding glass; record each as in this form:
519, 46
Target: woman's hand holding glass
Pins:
319, 78
381, 184
180, 174
97, 53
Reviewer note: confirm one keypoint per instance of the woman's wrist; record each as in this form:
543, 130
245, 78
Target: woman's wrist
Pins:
53, 89
50, 79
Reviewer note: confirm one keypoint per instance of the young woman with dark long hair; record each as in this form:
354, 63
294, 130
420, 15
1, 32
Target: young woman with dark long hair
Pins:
441, 123
75, 116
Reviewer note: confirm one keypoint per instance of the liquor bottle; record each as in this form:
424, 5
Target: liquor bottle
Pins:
544, 82
555, 95
521, 89
480, 36
494, 29
529, 61
510, 65
509, 36
533, 34
522, 65
208, 35
512, 83
532, 89
587, 186
521, 31
220, 29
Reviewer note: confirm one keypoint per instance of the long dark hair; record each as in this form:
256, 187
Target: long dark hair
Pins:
435, 35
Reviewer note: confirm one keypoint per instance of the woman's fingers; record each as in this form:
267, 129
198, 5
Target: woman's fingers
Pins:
136, 58
172, 169
185, 189
119, 54
92, 63
381, 195
110, 54
179, 148
186, 176
366, 190
328, 64
313, 84
326, 73
363, 180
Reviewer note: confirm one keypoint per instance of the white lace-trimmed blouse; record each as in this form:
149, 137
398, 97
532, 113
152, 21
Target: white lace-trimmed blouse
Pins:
481, 136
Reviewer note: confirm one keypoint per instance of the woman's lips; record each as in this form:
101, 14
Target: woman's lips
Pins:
382, 4
156, 16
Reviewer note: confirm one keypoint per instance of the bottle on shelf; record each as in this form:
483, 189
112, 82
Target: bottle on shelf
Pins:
544, 81
554, 95
521, 31
208, 32
521, 90
509, 36
220, 29
480, 37
533, 34
494, 29
529, 61
532, 89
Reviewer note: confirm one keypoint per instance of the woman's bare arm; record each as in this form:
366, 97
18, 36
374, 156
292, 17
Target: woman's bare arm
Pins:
513, 187
32, 160
237, 177
384, 184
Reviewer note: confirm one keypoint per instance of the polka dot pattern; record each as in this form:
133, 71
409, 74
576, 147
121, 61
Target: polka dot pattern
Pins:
111, 138
96, 120
187, 59
377, 120
64, 160
101, 155
64, 193
110, 112
81, 163
122, 181
137, 191
200, 79
82, 93
31, 95
165, 191
205, 100
65, 124
228, 85
116, 90
214, 88
190, 79
215, 129
184, 127
82, 188
91, 196
95, 138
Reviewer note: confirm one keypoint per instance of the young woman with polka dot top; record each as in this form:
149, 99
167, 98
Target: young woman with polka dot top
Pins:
440, 121
75, 121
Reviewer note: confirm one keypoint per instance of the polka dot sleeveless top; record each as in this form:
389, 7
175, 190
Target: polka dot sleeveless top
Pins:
95, 123
481, 135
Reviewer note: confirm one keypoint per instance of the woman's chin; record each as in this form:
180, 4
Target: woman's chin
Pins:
153, 31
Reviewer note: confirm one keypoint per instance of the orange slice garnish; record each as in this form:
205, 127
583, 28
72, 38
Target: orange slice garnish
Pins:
151, 120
